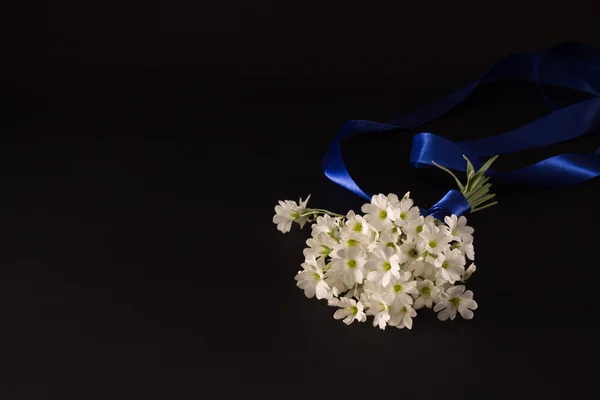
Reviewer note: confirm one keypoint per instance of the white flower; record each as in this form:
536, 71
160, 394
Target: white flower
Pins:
408, 213
411, 251
370, 287
387, 264
466, 248
403, 287
455, 299
389, 238
379, 307
419, 268
355, 224
467, 274
349, 266
311, 279
436, 240
336, 285
353, 240
373, 241
356, 291
429, 272
350, 310
380, 214
394, 201
402, 315
415, 227
320, 246
287, 212
458, 228
451, 265
427, 293
383, 266
326, 224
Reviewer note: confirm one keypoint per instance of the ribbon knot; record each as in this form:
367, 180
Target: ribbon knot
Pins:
453, 202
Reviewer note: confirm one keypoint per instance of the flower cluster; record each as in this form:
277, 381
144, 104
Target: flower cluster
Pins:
387, 263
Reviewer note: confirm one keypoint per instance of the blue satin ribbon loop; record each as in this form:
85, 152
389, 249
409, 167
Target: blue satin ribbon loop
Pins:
570, 65
453, 202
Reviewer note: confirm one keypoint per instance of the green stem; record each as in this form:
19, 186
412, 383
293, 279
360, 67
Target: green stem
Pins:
315, 211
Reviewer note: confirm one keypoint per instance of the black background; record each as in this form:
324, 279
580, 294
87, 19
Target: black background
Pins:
143, 149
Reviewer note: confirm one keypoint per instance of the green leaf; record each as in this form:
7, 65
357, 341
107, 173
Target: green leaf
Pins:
484, 207
479, 192
475, 183
470, 168
480, 176
479, 180
488, 164
483, 200
471, 182
460, 185
470, 175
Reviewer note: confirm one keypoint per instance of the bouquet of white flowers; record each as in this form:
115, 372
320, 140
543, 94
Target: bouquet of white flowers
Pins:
392, 260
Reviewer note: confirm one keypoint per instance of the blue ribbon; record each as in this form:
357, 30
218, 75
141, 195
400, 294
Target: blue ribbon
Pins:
570, 65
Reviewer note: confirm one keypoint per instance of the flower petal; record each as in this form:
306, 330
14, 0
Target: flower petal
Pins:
419, 303
407, 321
469, 303
465, 313
444, 314
340, 314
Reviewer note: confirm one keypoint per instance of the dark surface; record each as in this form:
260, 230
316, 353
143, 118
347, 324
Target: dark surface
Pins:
143, 151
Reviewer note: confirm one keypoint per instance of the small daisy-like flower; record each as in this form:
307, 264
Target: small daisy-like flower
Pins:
455, 299
349, 266
379, 307
353, 240
411, 251
451, 265
379, 213
407, 213
383, 266
350, 310
429, 272
467, 274
320, 245
402, 315
458, 228
355, 224
427, 292
436, 240
389, 238
326, 224
311, 280
356, 291
387, 264
287, 212
403, 288
466, 248
418, 268
415, 227
336, 286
